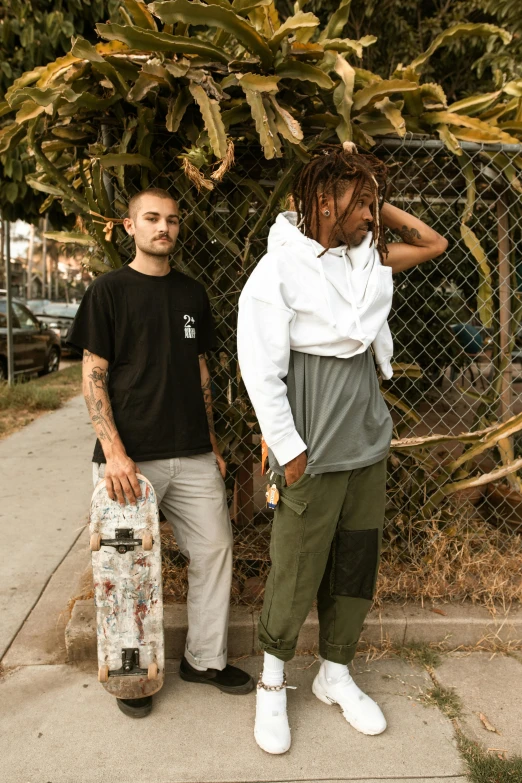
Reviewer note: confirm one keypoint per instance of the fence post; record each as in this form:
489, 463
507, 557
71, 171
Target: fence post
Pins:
504, 298
44, 256
9, 307
505, 445
30, 254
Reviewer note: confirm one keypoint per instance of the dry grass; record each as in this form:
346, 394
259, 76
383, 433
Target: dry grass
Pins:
27, 400
488, 765
466, 559
175, 566
429, 654
446, 699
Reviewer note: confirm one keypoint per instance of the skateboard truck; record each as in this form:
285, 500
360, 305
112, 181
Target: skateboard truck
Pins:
130, 663
130, 667
123, 541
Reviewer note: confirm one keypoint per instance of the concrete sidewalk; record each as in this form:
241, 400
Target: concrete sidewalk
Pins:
59, 725
46, 487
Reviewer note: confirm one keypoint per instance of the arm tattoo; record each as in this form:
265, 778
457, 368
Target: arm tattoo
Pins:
88, 356
408, 235
99, 404
207, 397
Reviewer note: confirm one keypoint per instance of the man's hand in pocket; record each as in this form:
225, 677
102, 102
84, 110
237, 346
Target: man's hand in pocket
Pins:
295, 469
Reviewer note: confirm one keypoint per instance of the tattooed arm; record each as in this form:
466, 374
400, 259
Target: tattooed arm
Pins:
207, 397
120, 471
420, 243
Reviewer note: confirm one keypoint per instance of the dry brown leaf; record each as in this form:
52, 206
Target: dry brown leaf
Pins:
225, 164
487, 725
109, 227
195, 176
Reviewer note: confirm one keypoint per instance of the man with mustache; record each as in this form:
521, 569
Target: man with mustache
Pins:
312, 318
144, 331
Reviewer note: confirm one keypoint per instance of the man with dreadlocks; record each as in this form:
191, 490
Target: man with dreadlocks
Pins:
312, 317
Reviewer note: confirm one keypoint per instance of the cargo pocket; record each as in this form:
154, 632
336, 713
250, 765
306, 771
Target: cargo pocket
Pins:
297, 506
355, 557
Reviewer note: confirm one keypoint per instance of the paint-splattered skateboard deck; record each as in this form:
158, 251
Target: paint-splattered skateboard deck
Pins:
126, 562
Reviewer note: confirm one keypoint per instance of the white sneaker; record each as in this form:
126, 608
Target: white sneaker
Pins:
360, 711
271, 729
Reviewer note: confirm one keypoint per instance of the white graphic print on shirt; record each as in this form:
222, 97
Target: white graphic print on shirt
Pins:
190, 331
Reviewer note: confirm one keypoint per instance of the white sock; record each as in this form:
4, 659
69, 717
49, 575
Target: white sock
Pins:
334, 671
271, 731
273, 670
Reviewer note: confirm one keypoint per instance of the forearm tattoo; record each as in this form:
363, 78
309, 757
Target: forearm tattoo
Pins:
409, 235
99, 404
207, 398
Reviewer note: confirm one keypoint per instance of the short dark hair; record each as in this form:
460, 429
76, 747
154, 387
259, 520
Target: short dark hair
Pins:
135, 200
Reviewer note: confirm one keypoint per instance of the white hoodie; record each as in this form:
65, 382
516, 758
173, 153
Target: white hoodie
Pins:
333, 305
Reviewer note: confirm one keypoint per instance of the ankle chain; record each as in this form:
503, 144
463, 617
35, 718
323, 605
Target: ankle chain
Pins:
261, 684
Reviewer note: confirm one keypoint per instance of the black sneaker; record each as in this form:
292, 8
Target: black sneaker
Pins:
229, 680
135, 708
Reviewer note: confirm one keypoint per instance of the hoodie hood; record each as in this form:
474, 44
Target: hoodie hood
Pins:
334, 304
284, 230
340, 298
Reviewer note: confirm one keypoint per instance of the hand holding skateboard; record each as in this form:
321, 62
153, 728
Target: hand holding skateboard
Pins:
120, 478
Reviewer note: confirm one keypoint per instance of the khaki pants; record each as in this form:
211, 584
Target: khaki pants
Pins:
191, 494
326, 542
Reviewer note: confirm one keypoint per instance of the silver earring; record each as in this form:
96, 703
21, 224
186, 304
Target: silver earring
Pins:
326, 213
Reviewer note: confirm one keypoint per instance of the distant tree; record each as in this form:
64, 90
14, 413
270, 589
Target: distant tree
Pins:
36, 33
33, 34
404, 28
509, 60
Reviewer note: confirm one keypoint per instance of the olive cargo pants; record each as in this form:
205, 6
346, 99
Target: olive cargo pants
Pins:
326, 542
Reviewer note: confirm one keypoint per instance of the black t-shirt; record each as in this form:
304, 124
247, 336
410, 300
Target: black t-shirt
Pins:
151, 331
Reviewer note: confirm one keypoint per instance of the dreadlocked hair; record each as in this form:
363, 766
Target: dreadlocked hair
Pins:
331, 171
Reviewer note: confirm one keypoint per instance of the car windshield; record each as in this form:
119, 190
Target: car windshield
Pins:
3, 315
56, 309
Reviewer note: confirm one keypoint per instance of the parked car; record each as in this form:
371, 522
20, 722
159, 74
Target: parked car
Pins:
37, 348
56, 315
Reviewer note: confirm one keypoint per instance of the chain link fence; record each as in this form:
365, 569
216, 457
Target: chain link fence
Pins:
458, 366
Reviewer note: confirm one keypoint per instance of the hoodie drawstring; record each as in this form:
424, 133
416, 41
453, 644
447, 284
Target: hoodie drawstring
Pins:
355, 308
351, 295
325, 292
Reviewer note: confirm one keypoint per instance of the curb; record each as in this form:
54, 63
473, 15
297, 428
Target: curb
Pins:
460, 624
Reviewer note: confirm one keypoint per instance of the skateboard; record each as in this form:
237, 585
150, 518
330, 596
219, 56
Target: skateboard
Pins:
126, 562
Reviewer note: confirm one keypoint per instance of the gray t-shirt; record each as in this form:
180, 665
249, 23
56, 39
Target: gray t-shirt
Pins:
338, 410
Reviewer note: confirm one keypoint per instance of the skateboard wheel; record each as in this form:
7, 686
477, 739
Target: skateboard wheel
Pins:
146, 540
95, 542
152, 673
103, 673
